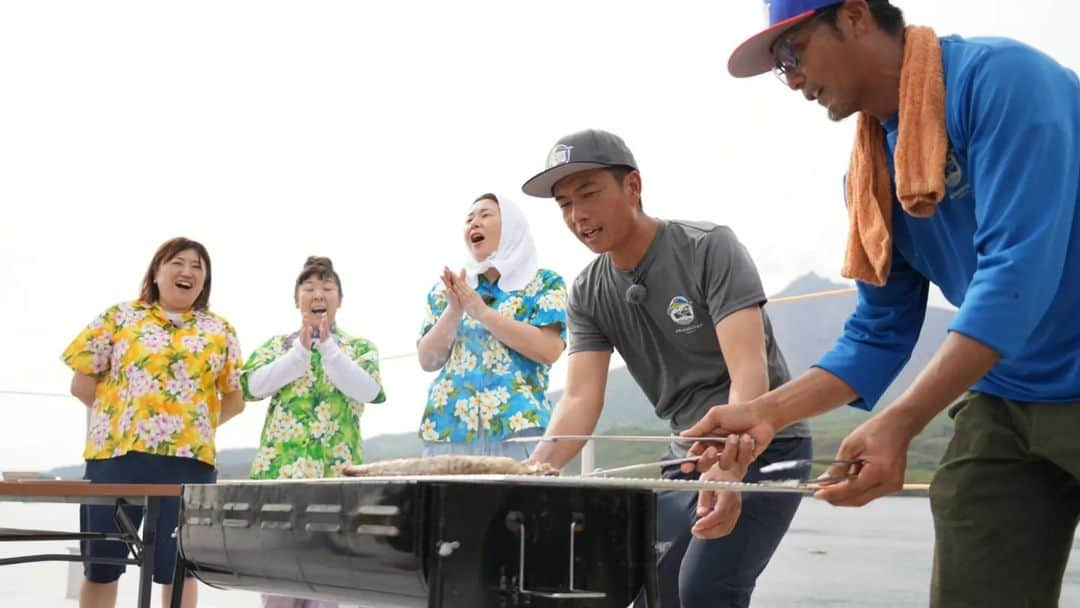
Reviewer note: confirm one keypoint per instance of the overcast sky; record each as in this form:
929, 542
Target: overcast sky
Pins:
271, 131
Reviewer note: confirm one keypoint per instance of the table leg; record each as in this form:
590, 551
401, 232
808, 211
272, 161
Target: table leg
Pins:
178, 579
149, 541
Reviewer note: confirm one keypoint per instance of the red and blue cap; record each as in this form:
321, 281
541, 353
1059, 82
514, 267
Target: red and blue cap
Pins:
754, 56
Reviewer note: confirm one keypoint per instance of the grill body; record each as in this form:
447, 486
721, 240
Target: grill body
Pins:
400, 542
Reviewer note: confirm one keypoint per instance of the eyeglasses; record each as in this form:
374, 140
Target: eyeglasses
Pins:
787, 60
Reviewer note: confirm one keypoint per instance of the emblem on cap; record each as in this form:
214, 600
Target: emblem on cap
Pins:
560, 155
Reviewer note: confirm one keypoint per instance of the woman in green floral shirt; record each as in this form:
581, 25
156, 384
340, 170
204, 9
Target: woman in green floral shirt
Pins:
319, 378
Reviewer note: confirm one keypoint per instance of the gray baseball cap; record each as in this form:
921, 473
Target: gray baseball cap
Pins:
577, 152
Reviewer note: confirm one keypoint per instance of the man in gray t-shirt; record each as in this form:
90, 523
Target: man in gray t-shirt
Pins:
682, 303
692, 276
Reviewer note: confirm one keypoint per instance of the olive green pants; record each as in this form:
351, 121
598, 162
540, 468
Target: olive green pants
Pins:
1005, 503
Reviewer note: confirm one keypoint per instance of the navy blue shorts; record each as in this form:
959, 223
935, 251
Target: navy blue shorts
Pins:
137, 467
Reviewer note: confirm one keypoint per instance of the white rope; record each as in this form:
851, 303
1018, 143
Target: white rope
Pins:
812, 296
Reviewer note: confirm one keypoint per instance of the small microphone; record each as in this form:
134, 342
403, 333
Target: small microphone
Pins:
636, 293
315, 330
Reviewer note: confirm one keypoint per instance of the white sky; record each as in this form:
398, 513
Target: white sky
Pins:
362, 130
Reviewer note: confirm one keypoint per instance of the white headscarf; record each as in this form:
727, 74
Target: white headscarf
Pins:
515, 257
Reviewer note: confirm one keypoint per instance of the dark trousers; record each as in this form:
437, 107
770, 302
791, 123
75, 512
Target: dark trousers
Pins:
137, 467
721, 573
1005, 501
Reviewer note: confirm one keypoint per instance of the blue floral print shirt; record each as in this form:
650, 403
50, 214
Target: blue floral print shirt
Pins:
485, 386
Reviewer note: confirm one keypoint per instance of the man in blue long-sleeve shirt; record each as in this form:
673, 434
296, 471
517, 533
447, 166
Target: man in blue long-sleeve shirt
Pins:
1004, 247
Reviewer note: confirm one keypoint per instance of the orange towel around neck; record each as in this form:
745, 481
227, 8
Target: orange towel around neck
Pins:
919, 159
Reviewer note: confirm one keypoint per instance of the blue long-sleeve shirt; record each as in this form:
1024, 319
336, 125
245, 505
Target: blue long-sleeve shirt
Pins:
1004, 244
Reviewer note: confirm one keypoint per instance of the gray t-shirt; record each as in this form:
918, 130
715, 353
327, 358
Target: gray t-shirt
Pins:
694, 274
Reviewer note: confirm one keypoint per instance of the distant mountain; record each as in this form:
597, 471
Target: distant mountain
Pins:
804, 330
624, 403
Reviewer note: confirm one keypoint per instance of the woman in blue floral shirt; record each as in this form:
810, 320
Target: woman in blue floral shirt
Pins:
492, 331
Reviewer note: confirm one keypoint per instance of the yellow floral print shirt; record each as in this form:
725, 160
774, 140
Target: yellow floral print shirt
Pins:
159, 383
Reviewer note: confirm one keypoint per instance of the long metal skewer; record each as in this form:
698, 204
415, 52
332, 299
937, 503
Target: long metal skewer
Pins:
640, 438
787, 465
643, 465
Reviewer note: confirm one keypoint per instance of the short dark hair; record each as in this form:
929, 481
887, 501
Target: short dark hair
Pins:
619, 172
150, 293
888, 17
319, 267
487, 196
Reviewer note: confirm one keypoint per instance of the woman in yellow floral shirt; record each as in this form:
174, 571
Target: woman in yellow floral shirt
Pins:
159, 375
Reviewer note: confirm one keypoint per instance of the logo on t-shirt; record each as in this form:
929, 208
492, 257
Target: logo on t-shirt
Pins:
681, 311
955, 183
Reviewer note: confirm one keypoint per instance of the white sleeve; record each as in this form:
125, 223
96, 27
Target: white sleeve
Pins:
346, 374
269, 379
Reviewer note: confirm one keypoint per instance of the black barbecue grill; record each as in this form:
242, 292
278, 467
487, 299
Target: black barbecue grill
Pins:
480, 541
